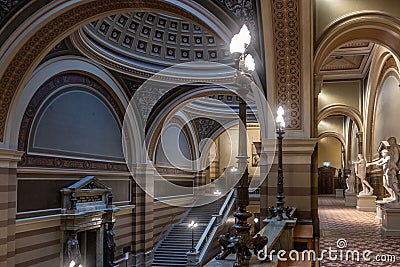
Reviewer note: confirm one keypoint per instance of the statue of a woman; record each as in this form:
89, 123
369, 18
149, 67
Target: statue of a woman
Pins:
72, 252
109, 245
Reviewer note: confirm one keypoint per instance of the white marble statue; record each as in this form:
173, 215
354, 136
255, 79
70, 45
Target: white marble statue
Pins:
351, 180
361, 173
384, 162
393, 169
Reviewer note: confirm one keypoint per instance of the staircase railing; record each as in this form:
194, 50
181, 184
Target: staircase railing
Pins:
214, 224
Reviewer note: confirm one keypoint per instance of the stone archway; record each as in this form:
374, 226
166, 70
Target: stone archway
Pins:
341, 110
376, 27
36, 37
384, 63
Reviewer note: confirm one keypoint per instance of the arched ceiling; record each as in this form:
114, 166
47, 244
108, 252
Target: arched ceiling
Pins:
153, 40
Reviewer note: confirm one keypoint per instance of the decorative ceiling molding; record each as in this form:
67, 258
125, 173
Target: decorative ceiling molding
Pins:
154, 38
350, 61
288, 60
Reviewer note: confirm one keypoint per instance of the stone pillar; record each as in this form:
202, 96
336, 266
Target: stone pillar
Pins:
318, 81
297, 169
143, 215
8, 204
264, 204
359, 136
314, 191
200, 178
214, 161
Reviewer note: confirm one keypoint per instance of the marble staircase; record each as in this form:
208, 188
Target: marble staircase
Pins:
173, 248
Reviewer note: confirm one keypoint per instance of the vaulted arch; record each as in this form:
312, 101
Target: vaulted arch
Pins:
373, 26
37, 35
341, 110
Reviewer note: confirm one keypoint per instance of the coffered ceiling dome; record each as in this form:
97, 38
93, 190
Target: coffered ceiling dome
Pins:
149, 42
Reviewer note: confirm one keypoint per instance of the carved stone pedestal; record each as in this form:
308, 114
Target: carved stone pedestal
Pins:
192, 259
379, 206
366, 203
350, 199
339, 193
391, 220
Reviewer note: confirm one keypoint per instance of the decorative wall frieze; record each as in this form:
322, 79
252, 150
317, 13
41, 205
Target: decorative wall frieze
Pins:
69, 163
166, 170
288, 60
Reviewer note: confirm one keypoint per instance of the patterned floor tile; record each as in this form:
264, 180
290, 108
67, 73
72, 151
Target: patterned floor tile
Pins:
348, 231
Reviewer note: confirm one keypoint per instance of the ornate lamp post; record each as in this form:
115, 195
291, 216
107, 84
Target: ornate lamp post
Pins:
280, 209
192, 225
241, 243
217, 194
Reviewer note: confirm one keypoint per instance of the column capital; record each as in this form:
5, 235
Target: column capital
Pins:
318, 81
9, 158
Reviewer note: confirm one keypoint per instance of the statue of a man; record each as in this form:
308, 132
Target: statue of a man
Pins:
339, 176
393, 169
361, 172
384, 162
351, 180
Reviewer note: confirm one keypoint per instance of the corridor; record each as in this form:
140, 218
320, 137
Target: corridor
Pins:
349, 231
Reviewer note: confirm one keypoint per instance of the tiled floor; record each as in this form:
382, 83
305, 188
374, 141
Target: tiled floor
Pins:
347, 231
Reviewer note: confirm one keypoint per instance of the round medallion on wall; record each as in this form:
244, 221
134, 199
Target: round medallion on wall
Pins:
58, 163
87, 164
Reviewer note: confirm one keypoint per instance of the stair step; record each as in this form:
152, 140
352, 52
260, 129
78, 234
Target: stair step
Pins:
173, 248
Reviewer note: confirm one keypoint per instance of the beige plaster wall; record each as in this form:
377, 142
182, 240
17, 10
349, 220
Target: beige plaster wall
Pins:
387, 112
340, 92
228, 148
332, 124
327, 11
330, 149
